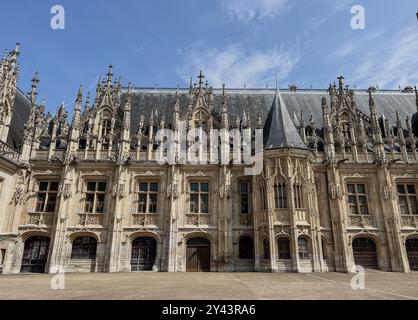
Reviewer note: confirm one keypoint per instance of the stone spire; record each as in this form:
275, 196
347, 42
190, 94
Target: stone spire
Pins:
176, 117
416, 97
411, 138
328, 130
377, 134
75, 125
225, 122
87, 105
280, 131
33, 93
126, 129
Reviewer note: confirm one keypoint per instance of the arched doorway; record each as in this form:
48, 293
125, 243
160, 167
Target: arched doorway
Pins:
144, 252
412, 252
35, 255
246, 248
365, 253
198, 255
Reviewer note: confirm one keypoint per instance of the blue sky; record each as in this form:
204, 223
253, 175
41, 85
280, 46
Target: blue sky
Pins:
239, 42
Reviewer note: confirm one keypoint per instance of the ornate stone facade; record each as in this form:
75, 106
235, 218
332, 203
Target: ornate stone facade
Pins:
89, 196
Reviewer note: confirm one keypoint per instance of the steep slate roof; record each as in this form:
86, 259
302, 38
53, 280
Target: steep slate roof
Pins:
259, 101
21, 112
280, 131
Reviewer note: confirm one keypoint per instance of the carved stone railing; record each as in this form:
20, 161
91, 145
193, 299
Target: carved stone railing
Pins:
40, 219
41, 155
90, 219
302, 217
282, 216
144, 219
262, 217
60, 154
196, 219
362, 221
9, 152
409, 221
246, 220
411, 158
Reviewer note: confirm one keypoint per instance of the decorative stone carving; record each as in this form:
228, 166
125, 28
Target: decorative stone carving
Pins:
335, 191
145, 220
90, 219
173, 190
388, 192
225, 191
118, 190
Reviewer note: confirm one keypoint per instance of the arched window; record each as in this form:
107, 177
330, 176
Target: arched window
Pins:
246, 248
303, 247
298, 196
280, 196
283, 244
84, 248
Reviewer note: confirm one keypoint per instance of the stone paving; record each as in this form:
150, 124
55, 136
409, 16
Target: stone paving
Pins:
216, 286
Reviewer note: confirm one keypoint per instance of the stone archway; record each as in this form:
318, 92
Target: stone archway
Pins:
35, 255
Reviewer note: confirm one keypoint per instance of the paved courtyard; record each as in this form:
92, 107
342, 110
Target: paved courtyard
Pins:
241, 286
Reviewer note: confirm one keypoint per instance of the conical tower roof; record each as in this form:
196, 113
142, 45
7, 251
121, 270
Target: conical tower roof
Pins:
280, 131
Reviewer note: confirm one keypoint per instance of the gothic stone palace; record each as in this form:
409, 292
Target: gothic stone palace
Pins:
338, 185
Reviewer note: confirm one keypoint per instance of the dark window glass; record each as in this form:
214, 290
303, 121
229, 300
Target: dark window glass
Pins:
194, 187
246, 248
91, 186
101, 187
46, 199
143, 187
303, 248
199, 197
148, 197
357, 199
43, 186
154, 187
54, 186
284, 248
407, 199
84, 248
194, 203
280, 196
204, 203
204, 187
90, 202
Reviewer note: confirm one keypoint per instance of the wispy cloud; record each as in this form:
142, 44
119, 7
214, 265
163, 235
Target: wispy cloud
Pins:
388, 61
247, 10
237, 65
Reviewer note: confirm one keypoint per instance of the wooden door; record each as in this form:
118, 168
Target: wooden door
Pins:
198, 255
365, 253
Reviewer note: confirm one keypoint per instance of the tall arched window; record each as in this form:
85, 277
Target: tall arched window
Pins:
283, 245
246, 248
298, 196
303, 246
280, 196
84, 248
